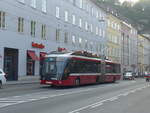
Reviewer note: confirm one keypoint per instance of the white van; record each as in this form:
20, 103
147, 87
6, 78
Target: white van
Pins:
2, 78
128, 75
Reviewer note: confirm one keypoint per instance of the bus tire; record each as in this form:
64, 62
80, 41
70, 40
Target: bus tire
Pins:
97, 80
77, 82
1, 84
147, 79
114, 79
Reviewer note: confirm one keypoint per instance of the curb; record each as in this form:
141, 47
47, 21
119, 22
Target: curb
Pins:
25, 80
22, 83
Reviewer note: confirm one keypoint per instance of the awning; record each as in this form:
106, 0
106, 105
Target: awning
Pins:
33, 55
42, 55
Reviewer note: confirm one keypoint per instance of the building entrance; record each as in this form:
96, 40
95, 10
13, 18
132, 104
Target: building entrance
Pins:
11, 63
31, 58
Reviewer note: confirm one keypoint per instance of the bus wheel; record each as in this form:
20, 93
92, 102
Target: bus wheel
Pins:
147, 79
0, 84
97, 80
77, 82
114, 79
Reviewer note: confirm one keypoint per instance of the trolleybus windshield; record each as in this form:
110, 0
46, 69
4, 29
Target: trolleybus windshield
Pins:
53, 67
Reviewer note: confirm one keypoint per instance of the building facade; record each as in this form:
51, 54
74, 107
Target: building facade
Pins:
133, 50
141, 55
31, 28
146, 52
113, 38
125, 42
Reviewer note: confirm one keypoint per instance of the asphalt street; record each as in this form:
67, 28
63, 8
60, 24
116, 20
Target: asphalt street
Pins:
121, 97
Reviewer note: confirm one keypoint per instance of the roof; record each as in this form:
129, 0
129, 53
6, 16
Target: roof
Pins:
72, 55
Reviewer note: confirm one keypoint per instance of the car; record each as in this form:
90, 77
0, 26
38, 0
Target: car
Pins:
128, 76
2, 78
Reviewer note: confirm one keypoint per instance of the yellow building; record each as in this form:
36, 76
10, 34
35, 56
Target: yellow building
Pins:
113, 38
141, 53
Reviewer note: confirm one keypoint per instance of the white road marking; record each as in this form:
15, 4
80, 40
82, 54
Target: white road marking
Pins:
114, 98
97, 105
133, 91
126, 94
5, 102
35, 96
100, 103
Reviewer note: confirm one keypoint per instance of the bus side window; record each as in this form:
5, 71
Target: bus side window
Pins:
99, 67
66, 73
67, 70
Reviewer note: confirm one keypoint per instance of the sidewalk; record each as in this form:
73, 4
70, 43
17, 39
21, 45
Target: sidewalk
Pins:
24, 80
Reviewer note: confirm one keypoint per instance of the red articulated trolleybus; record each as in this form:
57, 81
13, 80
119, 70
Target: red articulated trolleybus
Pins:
77, 68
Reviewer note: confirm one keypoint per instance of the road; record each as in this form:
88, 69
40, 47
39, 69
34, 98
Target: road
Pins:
120, 97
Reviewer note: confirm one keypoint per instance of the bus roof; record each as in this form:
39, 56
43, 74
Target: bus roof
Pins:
71, 55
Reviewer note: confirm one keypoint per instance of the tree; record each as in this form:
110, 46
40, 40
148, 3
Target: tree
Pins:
139, 13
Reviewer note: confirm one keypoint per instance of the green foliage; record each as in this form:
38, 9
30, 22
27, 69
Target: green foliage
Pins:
139, 13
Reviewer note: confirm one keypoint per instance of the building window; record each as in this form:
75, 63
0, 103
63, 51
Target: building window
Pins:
87, 7
100, 32
2, 19
57, 12
33, 23
66, 16
108, 23
57, 35
73, 19
103, 33
43, 32
66, 37
91, 26
74, 2
73, 40
33, 3
118, 27
92, 11
81, 3
80, 23
86, 44
86, 26
91, 46
80, 42
22, 1
97, 14
96, 30
20, 24
44, 8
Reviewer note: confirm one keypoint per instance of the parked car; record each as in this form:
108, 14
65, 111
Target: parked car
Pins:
128, 76
2, 78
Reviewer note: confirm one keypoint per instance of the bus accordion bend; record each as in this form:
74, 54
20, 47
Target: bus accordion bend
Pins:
67, 69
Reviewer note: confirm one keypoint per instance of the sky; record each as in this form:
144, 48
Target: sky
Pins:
129, 0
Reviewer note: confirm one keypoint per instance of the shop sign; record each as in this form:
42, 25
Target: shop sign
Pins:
61, 49
36, 45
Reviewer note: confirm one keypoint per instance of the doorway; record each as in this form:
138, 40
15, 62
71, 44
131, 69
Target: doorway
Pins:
31, 58
11, 63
